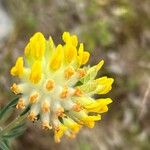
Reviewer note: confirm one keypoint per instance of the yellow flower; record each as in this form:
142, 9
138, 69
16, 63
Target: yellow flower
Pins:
49, 84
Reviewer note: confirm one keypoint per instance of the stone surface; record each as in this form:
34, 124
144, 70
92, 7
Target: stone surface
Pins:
6, 24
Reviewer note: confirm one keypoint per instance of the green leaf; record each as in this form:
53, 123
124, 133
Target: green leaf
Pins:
8, 107
25, 111
3, 145
92, 72
19, 126
15, 132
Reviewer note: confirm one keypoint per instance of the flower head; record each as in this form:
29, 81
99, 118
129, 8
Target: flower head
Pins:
58, 87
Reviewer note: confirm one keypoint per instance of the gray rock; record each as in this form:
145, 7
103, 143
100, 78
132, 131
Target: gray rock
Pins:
6, 24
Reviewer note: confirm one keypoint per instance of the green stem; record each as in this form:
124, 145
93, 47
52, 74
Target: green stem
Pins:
13, 124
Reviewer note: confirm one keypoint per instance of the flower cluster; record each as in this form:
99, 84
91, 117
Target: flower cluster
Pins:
58, 87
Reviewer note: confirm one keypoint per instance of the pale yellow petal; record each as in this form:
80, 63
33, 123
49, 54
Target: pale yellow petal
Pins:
89, 121
71, 124
59, 133
98, 106
17, 70
104, 85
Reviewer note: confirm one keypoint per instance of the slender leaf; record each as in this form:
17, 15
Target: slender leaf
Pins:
8, 107
19, 126
3, 146
25, 111
13, 134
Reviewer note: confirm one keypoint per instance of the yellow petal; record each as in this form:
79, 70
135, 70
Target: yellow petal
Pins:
85, 100
36, 47
57, 58
66, 37
93, 118
74, 40
98, 106
27, 50
84, 119
83, 56
90, 124
86, 56
71, 124
80, 56
59, 133
104, 101
70, 53
17, 70
104, 85
99, 65
81, 49
51, 43
90, 120
36, 72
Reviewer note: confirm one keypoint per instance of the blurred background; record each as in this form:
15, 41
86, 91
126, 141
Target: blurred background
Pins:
117, 31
